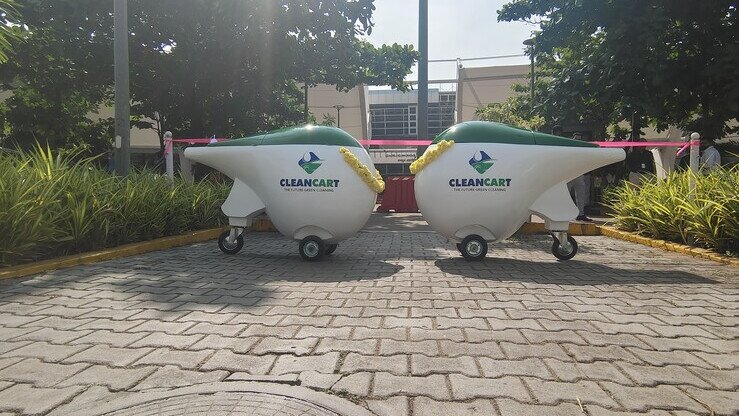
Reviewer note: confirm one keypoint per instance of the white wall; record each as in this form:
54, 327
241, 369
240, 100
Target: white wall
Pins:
477, 87
322, 98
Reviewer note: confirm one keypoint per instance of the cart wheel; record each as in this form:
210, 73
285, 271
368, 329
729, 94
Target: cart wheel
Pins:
330, 249
473, 247
459, 247
233, 247
311, 248
564, 252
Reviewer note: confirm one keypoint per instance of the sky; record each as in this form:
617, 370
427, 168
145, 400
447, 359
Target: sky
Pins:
457, 29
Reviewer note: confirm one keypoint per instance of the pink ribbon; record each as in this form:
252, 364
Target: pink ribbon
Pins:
410, 142
406, 142
394, 142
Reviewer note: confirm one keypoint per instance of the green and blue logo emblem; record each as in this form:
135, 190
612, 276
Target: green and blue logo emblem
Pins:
481, 162
309, 162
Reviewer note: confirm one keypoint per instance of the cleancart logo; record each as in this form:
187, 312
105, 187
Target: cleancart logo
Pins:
309, 162
482, 163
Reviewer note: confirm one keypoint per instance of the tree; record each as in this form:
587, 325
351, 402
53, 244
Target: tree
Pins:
59, 75
515, 111
236, 66
662, 61
198, 67
8, 31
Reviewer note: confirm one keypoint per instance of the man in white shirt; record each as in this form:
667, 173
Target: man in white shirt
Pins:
711, 158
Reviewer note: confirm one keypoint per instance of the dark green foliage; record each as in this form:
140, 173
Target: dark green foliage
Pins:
198, 67
53, 204
657, 61
664, 209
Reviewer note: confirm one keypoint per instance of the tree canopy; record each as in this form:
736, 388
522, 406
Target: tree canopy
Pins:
662, 61
198, 67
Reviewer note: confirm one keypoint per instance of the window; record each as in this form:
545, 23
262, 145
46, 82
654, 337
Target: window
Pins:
401, 120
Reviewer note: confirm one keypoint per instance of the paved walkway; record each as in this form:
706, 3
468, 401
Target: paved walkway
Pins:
395, 321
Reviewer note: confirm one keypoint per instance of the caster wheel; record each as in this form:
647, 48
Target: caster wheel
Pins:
311, 248
564, 252
230, 247
330, 249
473, 247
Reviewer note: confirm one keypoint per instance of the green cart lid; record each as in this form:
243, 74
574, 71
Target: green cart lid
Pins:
307, 134
489, 132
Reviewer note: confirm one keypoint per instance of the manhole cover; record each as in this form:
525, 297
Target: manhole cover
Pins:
221, 399
219, 404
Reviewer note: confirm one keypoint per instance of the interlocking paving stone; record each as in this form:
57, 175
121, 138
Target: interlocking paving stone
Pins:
171, 376
719, 402
512, 408
599, 370
272, 345
113, 378
433, 386
160, 339
357, 383
295, 364
464, 388
641, 399
317, 379
182, 359
47, 352
396, 364
34, 400
396, 405
422, 365
494, 368
39, 373
240, 345
228, 360
425, 406
397, 319
554, 392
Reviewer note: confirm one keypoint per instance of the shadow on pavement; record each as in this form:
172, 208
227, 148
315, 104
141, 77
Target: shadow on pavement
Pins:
200, 276
571, 272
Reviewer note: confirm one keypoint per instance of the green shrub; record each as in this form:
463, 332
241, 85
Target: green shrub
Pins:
56, 204
663, 209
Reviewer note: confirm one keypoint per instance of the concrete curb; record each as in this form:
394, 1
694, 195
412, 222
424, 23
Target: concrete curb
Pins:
667, 245
110, 253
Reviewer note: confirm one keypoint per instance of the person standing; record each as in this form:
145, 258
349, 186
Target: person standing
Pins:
710, 159
640, 163
580, 189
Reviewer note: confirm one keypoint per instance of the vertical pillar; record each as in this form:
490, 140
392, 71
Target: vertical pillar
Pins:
169, 154
305, 102
694, 161
423, 73
122, 100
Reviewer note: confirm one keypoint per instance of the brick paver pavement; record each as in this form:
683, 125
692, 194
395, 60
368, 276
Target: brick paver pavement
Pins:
396, 321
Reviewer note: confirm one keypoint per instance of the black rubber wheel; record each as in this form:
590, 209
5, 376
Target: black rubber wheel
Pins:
330, 248
459, 247
560, 252
473, 247
312, 248
230, 248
